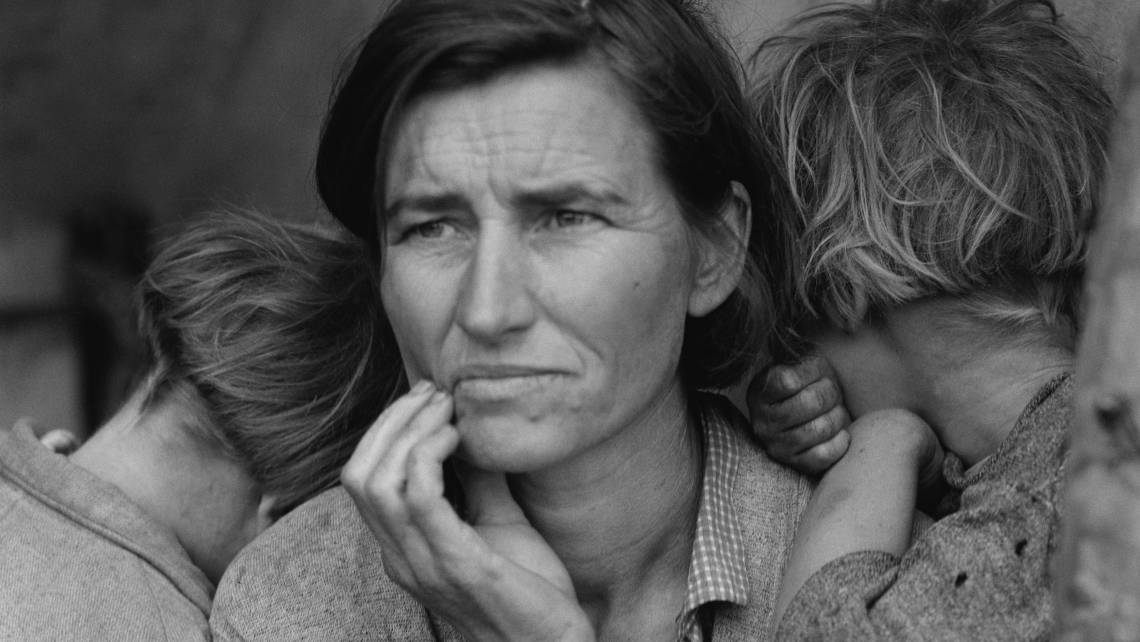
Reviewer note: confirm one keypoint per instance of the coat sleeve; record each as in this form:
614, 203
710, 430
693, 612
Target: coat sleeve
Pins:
981, 573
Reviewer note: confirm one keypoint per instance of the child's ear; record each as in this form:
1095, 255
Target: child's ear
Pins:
721, 258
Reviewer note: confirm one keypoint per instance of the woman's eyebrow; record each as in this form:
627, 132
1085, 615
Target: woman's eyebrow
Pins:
562, 194
426, 203
539, 197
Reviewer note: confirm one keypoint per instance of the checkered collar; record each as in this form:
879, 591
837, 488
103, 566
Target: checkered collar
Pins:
718, 569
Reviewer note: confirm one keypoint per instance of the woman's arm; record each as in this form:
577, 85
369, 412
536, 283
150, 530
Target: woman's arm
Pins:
866, 501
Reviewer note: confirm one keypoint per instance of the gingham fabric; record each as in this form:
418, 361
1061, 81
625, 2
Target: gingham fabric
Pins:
718, 570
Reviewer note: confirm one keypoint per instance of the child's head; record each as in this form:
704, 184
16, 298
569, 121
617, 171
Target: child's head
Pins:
937, 148
265, 335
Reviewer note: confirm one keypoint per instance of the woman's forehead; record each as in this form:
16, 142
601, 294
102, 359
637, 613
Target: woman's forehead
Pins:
531, 124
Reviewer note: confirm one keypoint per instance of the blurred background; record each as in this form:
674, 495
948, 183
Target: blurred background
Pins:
120, 117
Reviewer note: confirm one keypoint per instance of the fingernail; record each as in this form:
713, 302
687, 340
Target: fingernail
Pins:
422, 386
438, 396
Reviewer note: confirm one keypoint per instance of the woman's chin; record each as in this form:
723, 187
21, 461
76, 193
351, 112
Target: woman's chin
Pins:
509, 444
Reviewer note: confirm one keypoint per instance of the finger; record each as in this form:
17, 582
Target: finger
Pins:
375, 481
820, 458
377, 488
433, 416
378, 437
436, 535
380, 487
780, 381
424, 469
815, 400
817, 431
60, 441
774, 383
396, 566
787, 379
398, 413
788, 445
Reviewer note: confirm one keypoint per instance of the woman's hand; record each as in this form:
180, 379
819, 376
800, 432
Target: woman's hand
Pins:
798, 414
495, 578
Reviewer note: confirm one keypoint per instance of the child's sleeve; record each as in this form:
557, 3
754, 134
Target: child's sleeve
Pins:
981, 573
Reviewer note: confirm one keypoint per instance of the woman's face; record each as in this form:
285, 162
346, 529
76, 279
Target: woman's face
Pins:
536, 264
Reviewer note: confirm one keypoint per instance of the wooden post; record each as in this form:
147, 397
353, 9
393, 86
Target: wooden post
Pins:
1098, 561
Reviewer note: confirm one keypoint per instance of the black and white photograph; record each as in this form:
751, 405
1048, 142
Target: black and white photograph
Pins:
569, 320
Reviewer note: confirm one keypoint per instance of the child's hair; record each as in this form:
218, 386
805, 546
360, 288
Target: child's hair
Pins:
936, 147
265, 335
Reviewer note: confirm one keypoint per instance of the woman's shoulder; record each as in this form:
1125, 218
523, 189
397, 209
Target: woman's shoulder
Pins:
766, 500
319, 568
757, 474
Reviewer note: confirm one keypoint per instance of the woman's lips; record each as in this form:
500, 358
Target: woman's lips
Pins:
502, 387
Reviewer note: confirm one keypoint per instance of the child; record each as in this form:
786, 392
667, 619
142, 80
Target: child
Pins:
941, 159
265, 368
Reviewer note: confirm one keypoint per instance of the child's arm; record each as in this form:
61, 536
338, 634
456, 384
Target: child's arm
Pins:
798, 414
866, 501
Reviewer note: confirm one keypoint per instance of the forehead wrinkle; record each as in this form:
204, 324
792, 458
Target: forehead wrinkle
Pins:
485, 136
579, 155
427, 170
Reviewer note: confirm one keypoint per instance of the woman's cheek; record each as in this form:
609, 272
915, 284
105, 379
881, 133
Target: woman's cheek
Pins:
417, 318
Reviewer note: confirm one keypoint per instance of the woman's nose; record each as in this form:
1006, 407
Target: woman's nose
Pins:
496, 301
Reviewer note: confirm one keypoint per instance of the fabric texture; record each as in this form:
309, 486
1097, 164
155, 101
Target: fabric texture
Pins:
80, 561
317, 574
718, 571
980, 573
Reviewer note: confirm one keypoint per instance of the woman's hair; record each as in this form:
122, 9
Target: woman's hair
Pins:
265, 334
678, 73
936, 147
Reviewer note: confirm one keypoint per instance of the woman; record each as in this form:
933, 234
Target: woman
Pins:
562, 195
264, 369
942, 158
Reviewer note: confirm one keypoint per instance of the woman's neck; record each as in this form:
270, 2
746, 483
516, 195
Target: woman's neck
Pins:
205, 500
622, 516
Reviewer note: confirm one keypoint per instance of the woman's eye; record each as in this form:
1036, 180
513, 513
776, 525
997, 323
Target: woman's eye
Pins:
429, 230
433, 229
572, 218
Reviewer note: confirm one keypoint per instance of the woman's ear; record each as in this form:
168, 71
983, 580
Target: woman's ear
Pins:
721, 257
